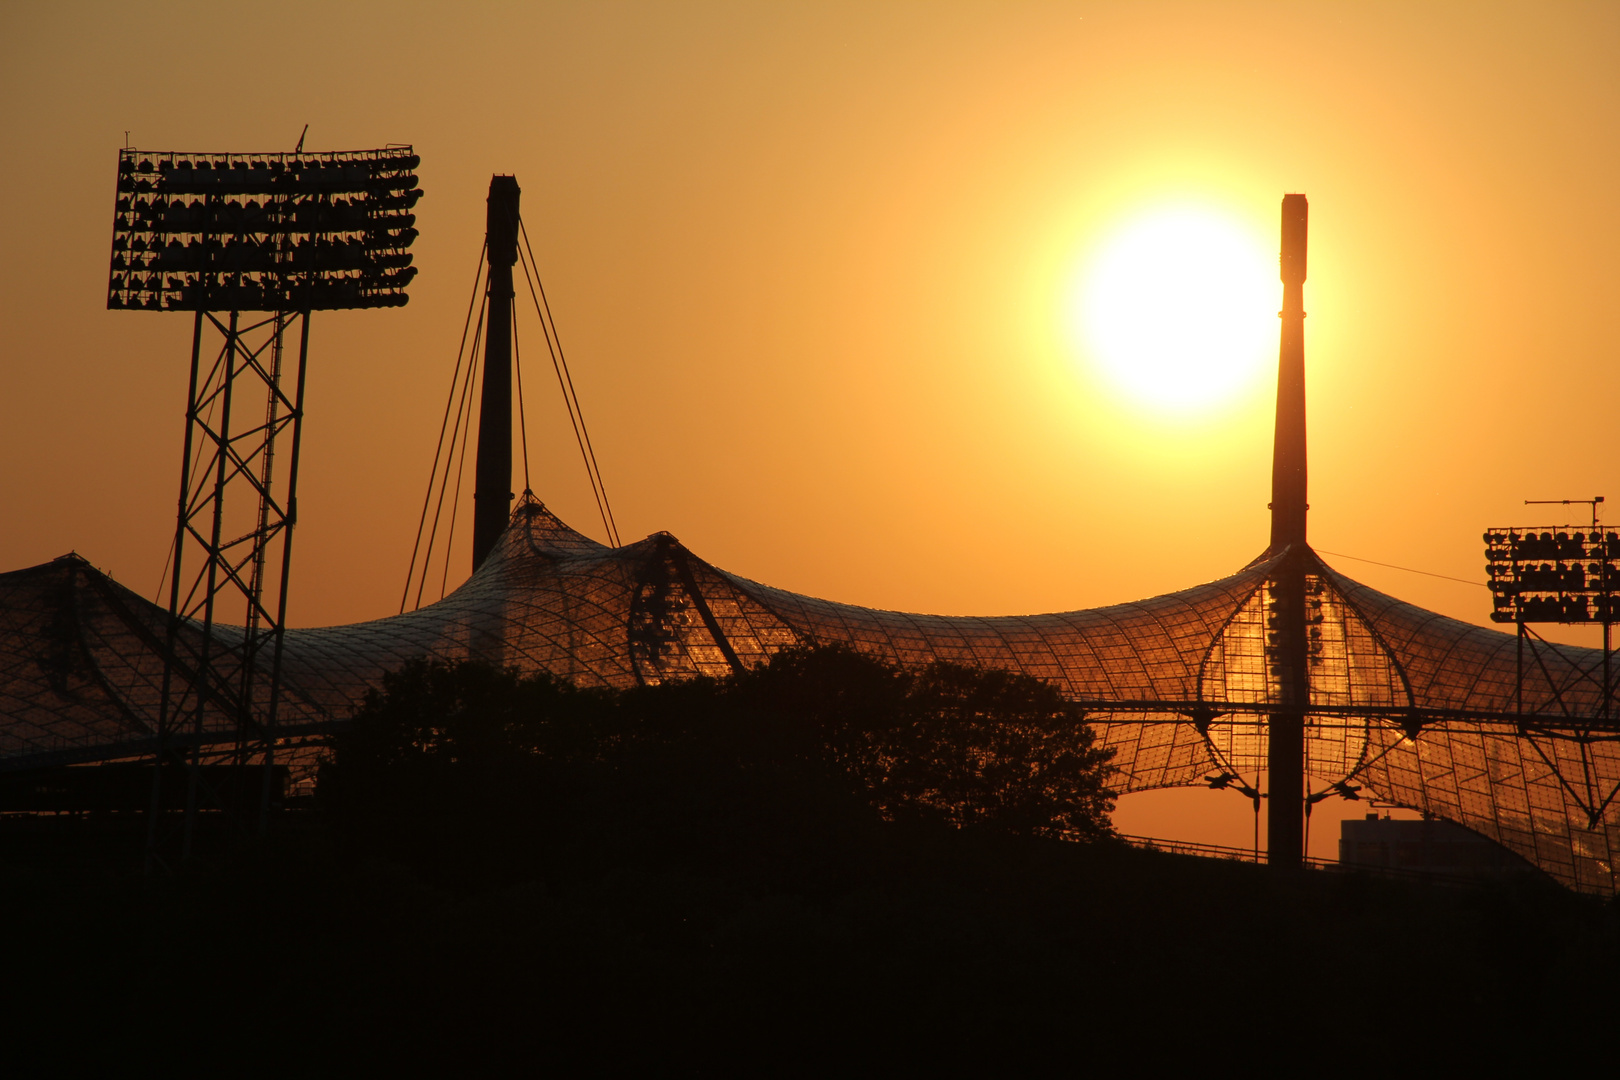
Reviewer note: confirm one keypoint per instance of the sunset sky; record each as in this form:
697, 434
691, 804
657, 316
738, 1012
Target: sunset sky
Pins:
819, 271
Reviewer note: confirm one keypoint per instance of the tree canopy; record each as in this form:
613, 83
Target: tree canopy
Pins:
947, 745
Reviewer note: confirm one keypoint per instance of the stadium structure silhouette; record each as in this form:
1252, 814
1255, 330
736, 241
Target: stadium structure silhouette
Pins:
1191, 688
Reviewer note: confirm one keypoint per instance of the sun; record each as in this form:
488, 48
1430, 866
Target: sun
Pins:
1177, 307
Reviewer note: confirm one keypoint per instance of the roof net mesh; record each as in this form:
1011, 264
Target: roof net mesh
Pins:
1420, 710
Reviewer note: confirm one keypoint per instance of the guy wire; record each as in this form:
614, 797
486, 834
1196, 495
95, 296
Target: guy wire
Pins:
523, 424
576, 415
433, 474
571, 405
551, 327
461, 462
455, 432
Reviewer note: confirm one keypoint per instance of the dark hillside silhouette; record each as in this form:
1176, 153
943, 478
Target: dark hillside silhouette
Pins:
818, 864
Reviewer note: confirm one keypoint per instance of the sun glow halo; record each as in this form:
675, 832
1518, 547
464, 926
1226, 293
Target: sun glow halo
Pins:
1178, 308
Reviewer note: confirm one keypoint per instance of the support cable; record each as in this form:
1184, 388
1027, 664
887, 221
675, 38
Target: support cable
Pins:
454, 379
455, 500
459, 431
523, 423
1392, 566
455, 434
565, 377
581, 437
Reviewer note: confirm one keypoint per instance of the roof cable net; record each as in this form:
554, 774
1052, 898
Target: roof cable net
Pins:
1417, 709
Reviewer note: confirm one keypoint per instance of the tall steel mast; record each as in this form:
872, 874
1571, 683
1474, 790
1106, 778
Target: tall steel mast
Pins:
492, 493
1286, 626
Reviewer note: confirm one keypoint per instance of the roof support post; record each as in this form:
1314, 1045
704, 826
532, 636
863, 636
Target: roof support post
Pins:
1285, 745
1286, 627
1288, 447
492, 492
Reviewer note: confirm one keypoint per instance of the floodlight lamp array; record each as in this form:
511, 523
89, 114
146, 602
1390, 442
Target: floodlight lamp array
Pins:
263, 232
1316, 594
1549, 575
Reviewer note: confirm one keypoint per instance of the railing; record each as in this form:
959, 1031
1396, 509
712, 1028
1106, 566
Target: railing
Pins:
1250, 855
1215, 851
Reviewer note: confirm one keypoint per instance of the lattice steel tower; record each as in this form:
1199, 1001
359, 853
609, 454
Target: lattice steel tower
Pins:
221, 235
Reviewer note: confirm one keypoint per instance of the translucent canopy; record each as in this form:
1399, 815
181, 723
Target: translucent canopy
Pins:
1461, 722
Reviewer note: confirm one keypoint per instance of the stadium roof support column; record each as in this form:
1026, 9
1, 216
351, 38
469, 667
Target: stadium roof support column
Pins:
492, 494
1288, 448
1288, 647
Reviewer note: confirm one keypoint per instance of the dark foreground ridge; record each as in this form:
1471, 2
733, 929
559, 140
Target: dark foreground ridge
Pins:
906, 948
696, 901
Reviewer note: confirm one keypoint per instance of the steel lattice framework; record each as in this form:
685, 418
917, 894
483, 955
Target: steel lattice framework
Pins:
1419, 709
285, 235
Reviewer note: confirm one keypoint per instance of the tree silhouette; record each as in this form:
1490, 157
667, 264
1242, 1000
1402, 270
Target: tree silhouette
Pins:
948, 745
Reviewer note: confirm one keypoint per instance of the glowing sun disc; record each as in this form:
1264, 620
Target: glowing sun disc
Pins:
1179, 308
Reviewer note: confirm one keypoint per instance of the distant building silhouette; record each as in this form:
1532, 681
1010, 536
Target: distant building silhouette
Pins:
1439, 848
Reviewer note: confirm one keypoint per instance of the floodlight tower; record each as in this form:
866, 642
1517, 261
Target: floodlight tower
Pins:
1285, 601
225, 236
1562, 574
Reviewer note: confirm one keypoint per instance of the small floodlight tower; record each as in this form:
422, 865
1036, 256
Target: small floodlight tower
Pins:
224, 236
1285, 601
1562, 574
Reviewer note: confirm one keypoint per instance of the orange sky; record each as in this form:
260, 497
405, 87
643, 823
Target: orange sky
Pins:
809, 259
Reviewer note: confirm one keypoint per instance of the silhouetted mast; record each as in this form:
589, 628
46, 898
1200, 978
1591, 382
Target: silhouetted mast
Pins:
492, 493
1285, 615
1288, 452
